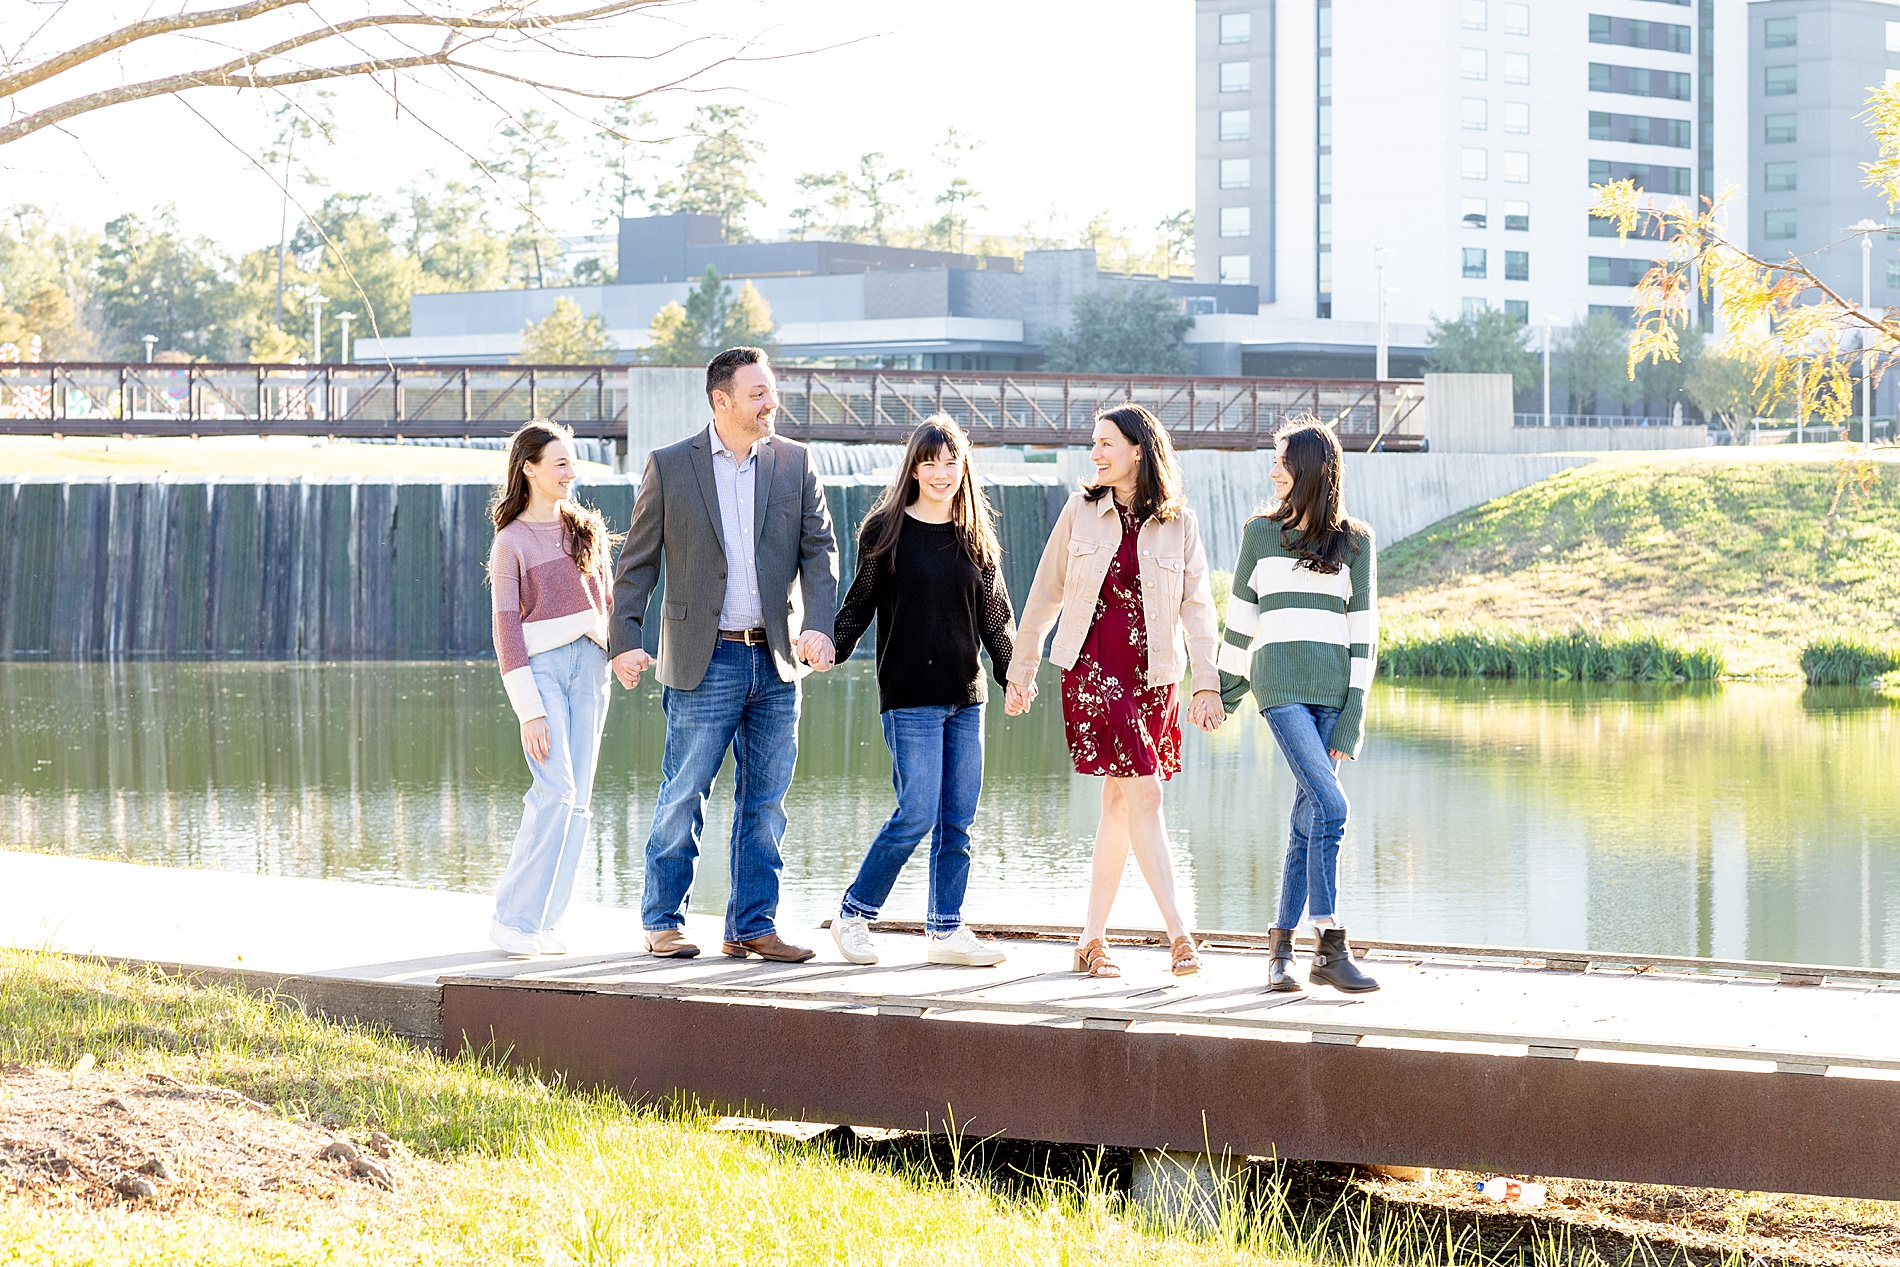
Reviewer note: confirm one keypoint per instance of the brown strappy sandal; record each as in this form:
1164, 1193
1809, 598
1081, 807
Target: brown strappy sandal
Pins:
1187, 961
1093, 959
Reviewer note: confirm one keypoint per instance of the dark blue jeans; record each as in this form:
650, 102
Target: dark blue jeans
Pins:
937, 766
1311, 878
742, 704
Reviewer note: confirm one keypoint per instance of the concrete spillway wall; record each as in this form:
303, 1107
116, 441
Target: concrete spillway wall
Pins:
181, 569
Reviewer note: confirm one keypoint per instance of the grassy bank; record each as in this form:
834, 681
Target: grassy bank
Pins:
1734, 552
1570, 655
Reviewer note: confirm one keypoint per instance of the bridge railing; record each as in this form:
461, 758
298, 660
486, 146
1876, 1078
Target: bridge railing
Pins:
1059, 409
108, 398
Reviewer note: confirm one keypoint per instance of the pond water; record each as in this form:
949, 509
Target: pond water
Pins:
1745, 820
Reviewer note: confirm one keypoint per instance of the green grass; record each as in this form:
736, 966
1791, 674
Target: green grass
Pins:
1847, 661
1736, 551
1571, 655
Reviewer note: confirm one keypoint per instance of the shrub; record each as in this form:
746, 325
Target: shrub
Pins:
1579, 654
1846, 661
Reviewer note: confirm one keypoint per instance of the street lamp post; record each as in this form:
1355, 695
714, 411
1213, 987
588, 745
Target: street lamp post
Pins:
150, 341
344, 319
1378, 274
316, 328
1546, 371
1867, 230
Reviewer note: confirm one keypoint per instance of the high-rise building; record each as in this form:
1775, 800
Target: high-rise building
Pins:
1457, 143
1811, 66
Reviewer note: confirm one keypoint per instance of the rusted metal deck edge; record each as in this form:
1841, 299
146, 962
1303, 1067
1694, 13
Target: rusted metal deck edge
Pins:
1553, 960
1096, 1016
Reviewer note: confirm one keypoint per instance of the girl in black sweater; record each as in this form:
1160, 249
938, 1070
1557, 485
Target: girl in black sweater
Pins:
927, 570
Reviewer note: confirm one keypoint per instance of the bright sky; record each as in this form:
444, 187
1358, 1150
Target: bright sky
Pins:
1080, 106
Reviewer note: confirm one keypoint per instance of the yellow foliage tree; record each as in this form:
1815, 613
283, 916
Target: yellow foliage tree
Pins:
566, 336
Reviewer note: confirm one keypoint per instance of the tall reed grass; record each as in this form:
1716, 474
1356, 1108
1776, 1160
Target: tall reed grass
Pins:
1578, 654
1847, 661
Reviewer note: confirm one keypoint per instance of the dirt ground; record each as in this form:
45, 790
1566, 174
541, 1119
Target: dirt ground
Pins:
94, 1139
1708, 1225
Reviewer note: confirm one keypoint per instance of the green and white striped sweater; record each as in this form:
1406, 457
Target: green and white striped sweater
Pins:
1296, 636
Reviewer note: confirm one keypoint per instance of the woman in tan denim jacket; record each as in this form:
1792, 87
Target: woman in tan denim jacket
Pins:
1123, 576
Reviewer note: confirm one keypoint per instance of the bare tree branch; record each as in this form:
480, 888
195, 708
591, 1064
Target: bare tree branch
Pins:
244, 71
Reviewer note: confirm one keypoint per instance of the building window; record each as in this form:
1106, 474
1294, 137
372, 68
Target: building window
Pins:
1471, 62
1517, 19
1653, 177
1325, 175
1474, 15
1517, 167
1236, 28
1615, 270
1325, 124
1236, 125
1639, 129
1778, 33
1517, 68
1638, 81
1476, 114
1639, 33
1471, 306
1472, 164
1517, 217
1648, 228
1778, 81
1236, 270
1777, 178
1893, 272
1777, 226
1893, 37
1236, 76
1518, 310
1473, 261
1236, 222
1236, 173
1622, 314
1778, 129
1473, 216
1325, 274
1517, 266
1517, 118
1325, 224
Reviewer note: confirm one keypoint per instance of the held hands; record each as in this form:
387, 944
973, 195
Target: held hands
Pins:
1017, 699
536, 740
629, 665
815, 650
1206, 711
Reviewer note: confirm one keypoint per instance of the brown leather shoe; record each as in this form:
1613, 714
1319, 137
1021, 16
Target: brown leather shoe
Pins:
669, 943
771, 946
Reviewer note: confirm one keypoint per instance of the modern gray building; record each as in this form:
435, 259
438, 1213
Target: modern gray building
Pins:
845, 304
1812, 66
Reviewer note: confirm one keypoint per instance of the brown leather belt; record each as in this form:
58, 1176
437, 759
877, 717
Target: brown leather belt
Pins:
751, 637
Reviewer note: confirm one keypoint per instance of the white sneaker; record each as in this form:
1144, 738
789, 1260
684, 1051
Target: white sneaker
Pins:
964, 947
853, 936
550, 944
514, 945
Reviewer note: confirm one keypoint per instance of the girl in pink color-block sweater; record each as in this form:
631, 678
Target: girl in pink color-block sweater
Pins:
548, 569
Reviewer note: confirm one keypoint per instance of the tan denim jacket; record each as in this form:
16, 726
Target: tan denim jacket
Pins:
1174, 593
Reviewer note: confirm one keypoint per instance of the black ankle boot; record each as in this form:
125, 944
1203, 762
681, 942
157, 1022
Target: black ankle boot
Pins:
1280, 978
1333, 965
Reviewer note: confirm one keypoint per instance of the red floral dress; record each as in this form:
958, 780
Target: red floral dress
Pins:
1117, 724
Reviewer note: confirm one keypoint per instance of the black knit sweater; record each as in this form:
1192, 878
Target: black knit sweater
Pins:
934, 608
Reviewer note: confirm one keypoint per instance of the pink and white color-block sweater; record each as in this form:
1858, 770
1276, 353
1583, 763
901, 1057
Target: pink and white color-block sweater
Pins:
542, 601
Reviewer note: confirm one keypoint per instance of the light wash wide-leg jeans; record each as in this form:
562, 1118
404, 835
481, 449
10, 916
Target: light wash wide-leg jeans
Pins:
555, 815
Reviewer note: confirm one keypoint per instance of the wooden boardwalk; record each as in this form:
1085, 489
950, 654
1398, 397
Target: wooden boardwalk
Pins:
1776, 1077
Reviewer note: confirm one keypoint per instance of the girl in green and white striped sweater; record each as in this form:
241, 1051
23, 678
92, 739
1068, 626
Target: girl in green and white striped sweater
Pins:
1302, 635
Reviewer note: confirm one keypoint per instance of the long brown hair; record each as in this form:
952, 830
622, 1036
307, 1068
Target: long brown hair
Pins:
1313, 519
585, 533
935, 438
1157, 475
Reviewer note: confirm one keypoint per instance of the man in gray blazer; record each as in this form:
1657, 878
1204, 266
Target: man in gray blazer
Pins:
735, 517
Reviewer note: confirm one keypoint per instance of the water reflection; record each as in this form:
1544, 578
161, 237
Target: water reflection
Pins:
1745, 820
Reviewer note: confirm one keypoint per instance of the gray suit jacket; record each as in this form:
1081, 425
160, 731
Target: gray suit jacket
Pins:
676, 527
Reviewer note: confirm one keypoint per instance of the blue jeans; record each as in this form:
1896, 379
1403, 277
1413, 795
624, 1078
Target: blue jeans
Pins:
1311, 879
937, 766
535, 888
741, 704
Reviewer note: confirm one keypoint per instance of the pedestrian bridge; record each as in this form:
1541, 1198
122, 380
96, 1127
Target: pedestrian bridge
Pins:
1774, 1077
